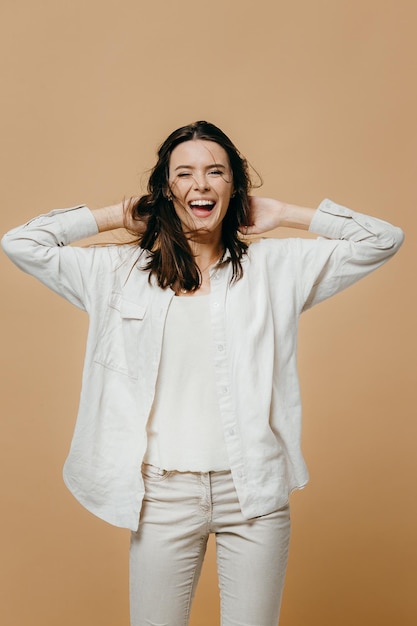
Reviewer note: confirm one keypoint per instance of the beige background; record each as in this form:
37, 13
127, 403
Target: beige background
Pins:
321, 96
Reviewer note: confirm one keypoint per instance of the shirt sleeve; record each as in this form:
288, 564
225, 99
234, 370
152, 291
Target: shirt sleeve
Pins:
350, 246
40, 248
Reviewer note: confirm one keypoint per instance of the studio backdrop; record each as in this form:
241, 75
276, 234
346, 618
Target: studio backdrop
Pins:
321, 97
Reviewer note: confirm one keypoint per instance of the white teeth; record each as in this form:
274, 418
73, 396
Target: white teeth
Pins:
202, 203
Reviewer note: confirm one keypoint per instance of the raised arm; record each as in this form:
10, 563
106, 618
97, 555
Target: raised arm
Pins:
350, 244
116, 216
41, 248
266, 214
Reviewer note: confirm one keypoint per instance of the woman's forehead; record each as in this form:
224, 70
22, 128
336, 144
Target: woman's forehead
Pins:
198, 152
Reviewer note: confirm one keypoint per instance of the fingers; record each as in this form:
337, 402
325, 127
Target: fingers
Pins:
248, 230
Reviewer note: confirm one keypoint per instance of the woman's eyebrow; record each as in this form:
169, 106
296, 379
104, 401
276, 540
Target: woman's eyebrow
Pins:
208, 167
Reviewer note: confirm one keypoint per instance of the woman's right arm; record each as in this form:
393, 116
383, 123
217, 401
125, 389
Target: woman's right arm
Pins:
41, 248
116, 216
109, 217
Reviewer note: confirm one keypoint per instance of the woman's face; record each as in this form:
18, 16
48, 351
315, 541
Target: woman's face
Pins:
201, 185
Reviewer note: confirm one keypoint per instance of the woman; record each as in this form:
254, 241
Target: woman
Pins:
189, 419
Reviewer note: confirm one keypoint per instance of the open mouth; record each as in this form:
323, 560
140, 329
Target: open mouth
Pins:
202, 208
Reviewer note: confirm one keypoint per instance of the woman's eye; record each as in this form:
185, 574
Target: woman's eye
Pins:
216, 172
183, 174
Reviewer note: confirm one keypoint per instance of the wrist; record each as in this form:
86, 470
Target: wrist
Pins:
110, 217
293, 216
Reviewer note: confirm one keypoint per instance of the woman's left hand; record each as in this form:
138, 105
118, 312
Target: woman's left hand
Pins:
265, 215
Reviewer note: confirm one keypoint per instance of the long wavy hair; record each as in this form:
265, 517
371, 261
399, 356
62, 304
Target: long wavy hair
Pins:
170, 258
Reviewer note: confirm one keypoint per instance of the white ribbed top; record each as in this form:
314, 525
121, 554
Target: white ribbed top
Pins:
184, 429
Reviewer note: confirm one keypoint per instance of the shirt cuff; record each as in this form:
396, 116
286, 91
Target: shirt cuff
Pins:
338, 222
323, 222
69, 224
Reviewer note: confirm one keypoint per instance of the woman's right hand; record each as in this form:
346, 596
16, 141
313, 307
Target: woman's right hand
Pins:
117, 216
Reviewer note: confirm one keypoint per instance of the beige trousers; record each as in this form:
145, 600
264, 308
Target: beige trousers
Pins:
180, 510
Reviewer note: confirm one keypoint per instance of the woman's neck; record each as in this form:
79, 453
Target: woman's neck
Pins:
206, 255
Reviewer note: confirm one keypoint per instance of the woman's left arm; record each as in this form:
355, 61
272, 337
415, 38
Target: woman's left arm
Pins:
266, 214
350, 246
330, 220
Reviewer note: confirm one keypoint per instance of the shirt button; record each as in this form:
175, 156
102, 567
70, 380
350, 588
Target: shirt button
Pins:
220, 347
225, 389
231, 432
216, 305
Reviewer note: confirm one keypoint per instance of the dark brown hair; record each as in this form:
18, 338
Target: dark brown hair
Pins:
170, 257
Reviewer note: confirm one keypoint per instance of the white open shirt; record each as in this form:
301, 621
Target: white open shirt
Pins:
254, 332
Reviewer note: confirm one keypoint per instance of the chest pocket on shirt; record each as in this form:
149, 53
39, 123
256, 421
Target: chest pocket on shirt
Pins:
118, 340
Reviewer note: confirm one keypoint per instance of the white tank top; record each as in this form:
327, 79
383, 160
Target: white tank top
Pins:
184, 429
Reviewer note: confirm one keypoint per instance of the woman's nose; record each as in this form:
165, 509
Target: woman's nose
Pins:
201, 182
